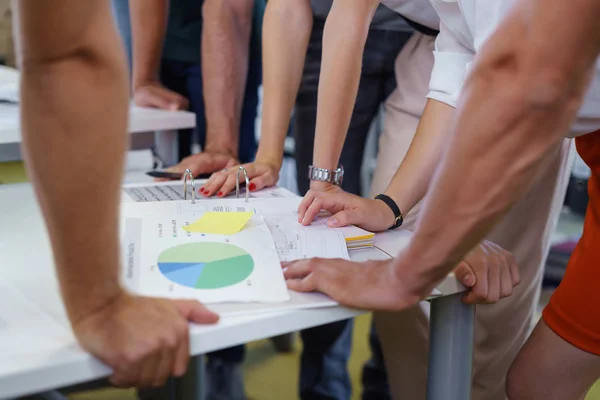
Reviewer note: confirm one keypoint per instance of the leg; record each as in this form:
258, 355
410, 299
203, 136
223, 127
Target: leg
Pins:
374, 376
192, 386
247, 141
564, 348
451, 349
548, 367
323, 364
184, 78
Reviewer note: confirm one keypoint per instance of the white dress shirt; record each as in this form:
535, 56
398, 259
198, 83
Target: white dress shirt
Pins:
464, 27
419, 11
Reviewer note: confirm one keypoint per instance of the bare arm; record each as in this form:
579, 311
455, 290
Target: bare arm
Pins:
286, 32
344, 39
148, 27
225, 51
517, 104
411, 181
74, 119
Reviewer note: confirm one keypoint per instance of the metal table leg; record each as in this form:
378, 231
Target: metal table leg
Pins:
451, 337
192, 385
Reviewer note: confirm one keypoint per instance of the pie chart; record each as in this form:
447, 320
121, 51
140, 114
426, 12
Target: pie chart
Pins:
205, 265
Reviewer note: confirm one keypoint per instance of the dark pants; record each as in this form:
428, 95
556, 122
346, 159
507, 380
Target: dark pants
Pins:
186, 79
326, 351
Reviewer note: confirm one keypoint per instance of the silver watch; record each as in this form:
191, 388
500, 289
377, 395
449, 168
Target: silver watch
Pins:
326, 175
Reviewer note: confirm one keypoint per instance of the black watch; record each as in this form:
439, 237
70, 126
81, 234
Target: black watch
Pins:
399, 218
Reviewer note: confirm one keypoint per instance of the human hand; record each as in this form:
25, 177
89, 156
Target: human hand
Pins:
205, 162
490, 272
261, 174
347, 209
144, 340
371, 285
155, 95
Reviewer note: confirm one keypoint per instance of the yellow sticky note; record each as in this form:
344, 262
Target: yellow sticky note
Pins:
221, 223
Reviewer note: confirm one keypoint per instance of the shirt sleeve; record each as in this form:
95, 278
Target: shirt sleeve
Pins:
452, 60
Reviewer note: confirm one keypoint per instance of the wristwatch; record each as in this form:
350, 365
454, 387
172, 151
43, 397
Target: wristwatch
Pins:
399, 218
326, 175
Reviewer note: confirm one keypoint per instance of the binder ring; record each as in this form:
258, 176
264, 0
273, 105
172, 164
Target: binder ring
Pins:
187, 173
237, 182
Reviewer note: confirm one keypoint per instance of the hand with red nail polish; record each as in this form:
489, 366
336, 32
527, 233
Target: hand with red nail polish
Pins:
261, 174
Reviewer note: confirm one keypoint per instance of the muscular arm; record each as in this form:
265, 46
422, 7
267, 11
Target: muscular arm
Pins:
74, 118
148, 27
521, 97
286, 31
344, 39
225, 48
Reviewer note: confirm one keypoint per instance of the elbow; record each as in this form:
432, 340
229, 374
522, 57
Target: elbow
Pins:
219, 11
296, 15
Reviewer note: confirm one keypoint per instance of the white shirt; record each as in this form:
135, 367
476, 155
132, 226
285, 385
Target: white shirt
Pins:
464, 27
419, 11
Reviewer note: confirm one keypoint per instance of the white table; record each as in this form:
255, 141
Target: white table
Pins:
141, 120
26, 261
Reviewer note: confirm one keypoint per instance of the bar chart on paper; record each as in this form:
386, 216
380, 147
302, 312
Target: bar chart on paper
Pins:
206, 265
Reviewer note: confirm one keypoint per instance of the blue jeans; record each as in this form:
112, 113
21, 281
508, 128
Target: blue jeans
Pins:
324, 373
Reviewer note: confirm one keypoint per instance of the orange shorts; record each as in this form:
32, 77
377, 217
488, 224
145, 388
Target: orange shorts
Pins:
574, 309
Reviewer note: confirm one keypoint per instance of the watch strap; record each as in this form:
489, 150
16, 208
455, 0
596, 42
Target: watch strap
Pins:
399, 218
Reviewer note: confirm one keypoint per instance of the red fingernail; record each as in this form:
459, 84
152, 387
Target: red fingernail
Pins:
201, 190
252, 187
220, 194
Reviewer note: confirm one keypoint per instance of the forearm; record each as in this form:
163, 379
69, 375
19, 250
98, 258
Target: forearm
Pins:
226, 32
286, 31
74, 136
411, 181
148, 27
344, 39
530, 94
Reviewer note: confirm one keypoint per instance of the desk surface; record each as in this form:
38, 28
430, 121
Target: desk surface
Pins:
25, 253
140, 120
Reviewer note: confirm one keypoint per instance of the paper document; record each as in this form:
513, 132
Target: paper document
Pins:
221, 223
295, 242
162, 259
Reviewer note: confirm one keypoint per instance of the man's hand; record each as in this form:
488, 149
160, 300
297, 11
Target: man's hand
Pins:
261, 174
347, 209
144, 340
155, 95
490, 272
371, 285
205, 162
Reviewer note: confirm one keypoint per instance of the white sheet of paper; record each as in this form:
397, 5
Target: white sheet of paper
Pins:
162, 259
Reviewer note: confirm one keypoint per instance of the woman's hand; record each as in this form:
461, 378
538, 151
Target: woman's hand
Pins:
261, 174
347, 209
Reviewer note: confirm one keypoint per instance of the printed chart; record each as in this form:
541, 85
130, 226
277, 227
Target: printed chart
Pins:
207, 265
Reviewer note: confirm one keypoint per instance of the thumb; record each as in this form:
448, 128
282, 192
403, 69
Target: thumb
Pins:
465, 274
195, 312
343, 218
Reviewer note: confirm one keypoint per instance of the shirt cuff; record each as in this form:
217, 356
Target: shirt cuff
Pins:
448, 75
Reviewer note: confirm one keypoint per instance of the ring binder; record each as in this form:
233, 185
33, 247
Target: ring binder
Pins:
237, 183
187, 173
